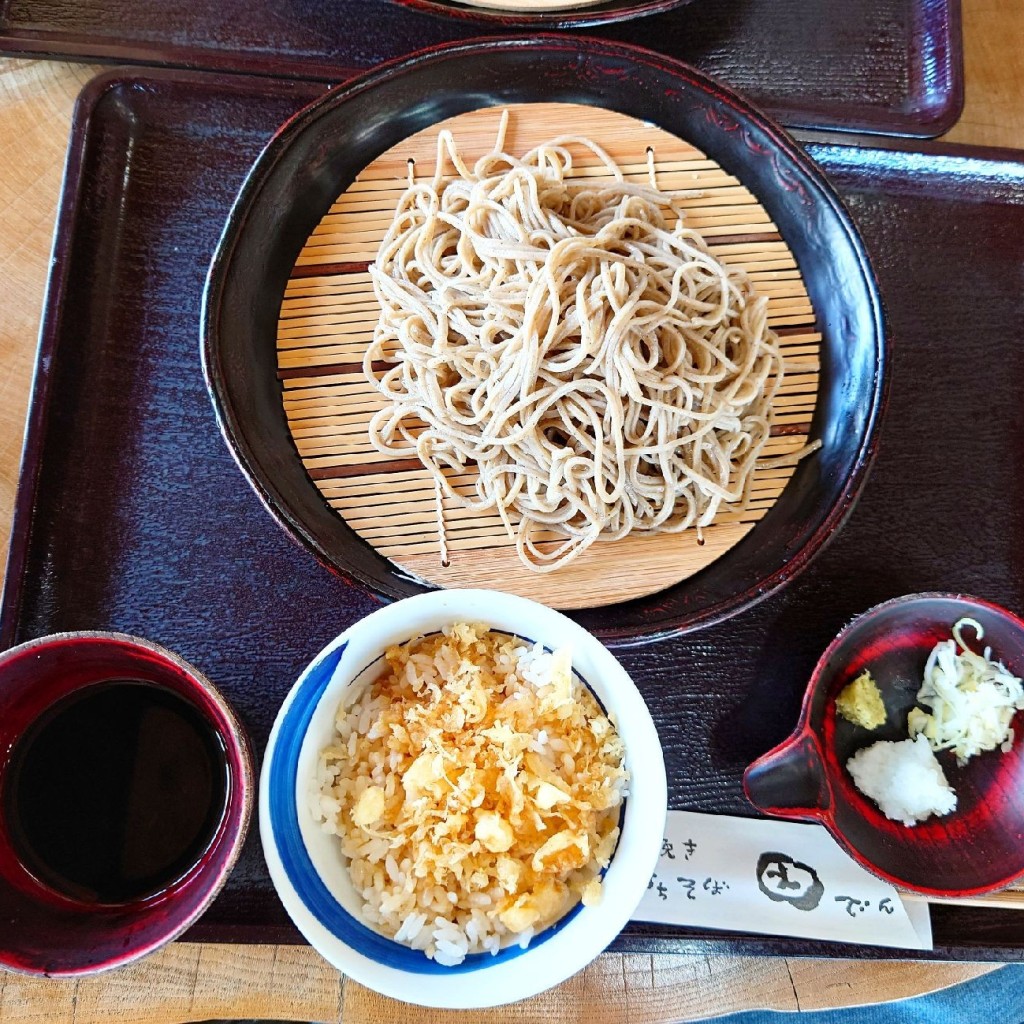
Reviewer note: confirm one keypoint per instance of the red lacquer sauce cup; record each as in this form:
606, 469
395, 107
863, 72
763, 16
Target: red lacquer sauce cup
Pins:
58, 928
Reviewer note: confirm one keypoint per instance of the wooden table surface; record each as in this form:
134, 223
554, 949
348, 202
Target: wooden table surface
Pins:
189, 981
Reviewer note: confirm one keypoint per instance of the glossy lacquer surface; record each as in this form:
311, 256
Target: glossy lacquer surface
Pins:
565, 15
973, 849
316, 155
95, 915
878, 65
132, 514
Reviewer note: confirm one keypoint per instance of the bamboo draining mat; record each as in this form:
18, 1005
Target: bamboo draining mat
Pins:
328, 316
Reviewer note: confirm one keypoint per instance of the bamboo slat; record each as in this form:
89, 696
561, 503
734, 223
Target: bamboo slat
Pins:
329, 312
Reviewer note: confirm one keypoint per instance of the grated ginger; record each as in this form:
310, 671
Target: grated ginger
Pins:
476, 788
860, 702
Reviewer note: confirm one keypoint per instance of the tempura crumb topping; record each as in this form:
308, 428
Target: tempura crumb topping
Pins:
475, 786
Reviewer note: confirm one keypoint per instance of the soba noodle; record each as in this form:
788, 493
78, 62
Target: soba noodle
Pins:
574, 341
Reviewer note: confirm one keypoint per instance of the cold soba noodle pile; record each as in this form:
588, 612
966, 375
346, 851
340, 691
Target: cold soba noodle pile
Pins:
573, 340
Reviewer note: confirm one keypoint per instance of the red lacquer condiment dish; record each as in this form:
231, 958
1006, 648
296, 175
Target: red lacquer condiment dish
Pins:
977, 848
125, 796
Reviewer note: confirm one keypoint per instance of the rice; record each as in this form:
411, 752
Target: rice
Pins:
904, 778
475, 787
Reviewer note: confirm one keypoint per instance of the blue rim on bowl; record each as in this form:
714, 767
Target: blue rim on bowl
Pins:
305, 862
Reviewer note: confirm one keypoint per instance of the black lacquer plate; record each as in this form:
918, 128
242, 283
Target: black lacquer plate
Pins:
132, 516
568, 17
893, 66
319, 153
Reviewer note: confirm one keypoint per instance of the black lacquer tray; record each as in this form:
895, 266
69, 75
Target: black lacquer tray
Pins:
132, 516
891, 66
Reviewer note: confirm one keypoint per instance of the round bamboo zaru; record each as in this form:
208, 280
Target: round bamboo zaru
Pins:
328, 316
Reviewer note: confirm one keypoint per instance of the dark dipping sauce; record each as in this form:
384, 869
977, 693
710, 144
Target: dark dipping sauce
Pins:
116, 791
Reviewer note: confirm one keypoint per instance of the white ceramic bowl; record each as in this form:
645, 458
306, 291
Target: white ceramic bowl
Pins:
305, 862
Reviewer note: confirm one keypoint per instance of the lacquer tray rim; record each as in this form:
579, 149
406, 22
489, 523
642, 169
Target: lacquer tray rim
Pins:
638, 938
922, 112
